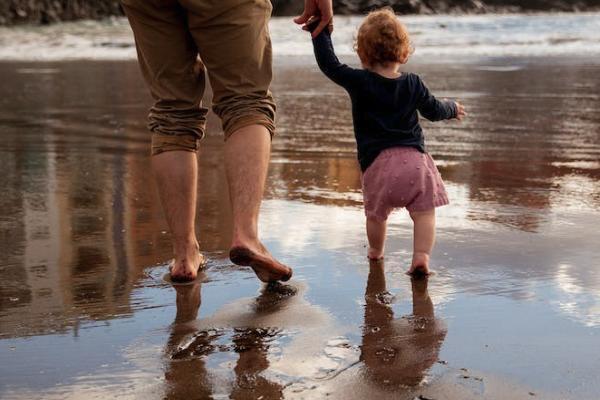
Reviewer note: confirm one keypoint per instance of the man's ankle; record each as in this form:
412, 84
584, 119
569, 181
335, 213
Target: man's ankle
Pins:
183, 246
245, 240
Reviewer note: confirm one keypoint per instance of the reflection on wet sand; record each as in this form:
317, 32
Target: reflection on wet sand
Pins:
398, 352
252, 346
186, 377
186, 374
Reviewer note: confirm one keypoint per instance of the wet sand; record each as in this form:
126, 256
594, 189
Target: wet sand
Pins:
514, 311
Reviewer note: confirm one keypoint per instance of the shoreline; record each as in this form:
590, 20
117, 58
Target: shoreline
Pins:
465, 39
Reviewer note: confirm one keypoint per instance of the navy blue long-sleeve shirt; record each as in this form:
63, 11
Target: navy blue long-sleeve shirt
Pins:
384, 110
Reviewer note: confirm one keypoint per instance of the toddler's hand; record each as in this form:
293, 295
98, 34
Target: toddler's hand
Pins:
460, 111
320, 11
311, 25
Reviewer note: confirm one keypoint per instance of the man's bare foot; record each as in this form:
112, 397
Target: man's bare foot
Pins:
375, 255
187, 262
266, 268
420, 265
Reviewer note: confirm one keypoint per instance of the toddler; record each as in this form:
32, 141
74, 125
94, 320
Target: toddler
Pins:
396, 170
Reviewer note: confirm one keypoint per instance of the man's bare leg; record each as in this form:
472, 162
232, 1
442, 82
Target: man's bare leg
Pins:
247, 153
423, 240
176, 174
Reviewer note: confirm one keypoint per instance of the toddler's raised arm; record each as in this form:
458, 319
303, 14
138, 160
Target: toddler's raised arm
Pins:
328, 62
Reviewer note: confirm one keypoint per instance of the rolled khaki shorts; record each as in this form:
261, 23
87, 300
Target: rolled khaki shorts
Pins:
179, 41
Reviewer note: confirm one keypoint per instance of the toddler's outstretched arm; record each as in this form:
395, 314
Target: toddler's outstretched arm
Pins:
432, 108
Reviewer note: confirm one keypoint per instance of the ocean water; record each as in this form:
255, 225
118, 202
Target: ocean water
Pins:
450, 36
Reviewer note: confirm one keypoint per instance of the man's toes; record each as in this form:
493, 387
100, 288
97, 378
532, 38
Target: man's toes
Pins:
288, 275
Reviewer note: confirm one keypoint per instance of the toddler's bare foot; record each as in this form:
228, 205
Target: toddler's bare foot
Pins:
188, 260
375, 255
420, 265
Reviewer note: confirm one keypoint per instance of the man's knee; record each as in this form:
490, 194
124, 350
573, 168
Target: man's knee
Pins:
242, 111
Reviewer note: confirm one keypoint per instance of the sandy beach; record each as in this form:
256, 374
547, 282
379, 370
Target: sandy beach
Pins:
512, 313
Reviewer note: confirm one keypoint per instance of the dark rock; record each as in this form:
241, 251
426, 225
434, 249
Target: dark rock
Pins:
50, 11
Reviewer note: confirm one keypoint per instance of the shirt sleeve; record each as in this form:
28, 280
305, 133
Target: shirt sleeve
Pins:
432, 108
328, 62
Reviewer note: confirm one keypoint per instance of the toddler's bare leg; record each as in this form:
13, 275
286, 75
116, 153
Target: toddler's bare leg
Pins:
376, 234
423, 240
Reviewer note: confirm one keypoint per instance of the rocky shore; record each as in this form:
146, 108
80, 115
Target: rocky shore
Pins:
466, 6
50, 11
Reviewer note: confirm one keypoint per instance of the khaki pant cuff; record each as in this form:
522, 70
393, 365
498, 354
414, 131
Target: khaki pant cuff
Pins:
163, 143
248, 120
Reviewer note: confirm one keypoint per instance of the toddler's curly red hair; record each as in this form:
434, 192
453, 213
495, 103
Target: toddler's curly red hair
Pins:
383, 39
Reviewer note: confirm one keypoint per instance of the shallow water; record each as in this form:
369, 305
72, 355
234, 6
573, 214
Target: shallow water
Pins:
435, 37
514, 307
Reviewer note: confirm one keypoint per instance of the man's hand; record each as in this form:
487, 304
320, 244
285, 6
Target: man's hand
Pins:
317, 9
460, 111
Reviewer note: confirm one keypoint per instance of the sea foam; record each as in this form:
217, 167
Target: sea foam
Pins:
447, 36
